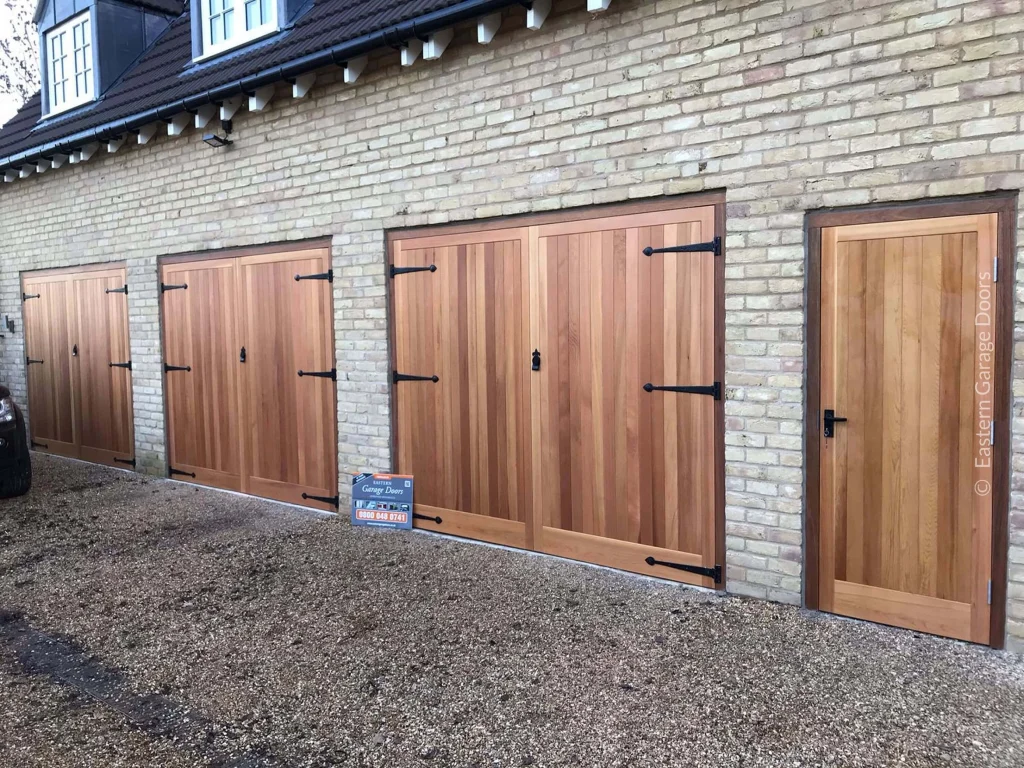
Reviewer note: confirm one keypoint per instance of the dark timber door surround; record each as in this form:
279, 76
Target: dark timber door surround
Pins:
249, 372
909, 327
557, 389
79, 363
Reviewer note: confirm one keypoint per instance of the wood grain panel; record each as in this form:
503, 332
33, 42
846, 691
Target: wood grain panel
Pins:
48, 338
906, 356
289, 422
103, 393
467, 437
200, 326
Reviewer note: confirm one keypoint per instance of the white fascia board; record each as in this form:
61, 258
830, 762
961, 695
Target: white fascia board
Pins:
230, 106
302, 85
177, 124
537, 14
147, 132
259, 100
487, 28
205, 114
436, 44
354, 68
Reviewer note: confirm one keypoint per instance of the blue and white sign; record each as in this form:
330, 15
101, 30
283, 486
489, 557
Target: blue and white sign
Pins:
384, 501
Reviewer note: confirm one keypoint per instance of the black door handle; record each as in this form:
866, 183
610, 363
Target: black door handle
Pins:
241, 355
74, 351
536, 359
830, 422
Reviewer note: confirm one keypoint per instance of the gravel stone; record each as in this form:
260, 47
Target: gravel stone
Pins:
297, 640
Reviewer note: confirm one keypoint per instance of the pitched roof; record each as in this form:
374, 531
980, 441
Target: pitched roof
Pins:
165, 80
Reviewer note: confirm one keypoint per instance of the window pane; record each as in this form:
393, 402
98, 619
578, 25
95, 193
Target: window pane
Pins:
265, 11
252, 14
229, 19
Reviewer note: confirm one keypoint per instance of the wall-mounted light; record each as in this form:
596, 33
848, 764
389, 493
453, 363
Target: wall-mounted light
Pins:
220, 141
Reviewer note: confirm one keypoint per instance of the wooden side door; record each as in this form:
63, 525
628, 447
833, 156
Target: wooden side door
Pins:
203, 357
48, 349
460, 314
907, 360
288, 399
101, 373
626, 476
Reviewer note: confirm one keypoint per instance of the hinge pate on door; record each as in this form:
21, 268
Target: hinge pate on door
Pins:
123, 289
990, 591
995, 269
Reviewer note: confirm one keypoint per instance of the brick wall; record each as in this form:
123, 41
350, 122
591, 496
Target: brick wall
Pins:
789, 105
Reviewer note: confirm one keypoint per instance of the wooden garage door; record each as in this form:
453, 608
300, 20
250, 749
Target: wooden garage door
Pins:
539, 431
79, 364
907, 364
237, 333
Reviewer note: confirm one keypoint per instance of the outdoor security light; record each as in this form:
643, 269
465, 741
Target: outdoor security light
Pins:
219, 141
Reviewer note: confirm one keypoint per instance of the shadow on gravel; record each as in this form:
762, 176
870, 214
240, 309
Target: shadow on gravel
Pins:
65, 663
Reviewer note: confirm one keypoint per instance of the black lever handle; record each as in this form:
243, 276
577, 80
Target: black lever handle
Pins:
830, 422
536, 359
241, 355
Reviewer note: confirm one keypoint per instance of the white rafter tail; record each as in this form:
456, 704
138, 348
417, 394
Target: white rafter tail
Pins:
58, 160
76, 156
538, 13
597, 6
25, 171
436, 44
354, 68
177, 124
10, 175
42, 165
302, 85
412, 50
86, 152
229, 106
487, 28
205, 114
116, 143
147, 132
259, 100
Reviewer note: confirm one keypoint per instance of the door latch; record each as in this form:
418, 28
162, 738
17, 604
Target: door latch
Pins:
241, 355
74, 351
536, 360
830, 422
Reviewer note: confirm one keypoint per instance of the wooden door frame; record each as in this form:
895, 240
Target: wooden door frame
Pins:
1004, 204
712, 198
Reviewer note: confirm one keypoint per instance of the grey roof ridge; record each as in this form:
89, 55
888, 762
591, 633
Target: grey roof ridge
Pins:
391, 36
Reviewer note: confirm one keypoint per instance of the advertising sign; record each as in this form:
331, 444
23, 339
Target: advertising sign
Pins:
384, 501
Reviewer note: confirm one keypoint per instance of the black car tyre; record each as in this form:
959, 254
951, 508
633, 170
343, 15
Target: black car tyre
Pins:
18, 481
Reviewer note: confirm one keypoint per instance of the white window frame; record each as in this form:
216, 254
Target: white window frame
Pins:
68, 62
239, 35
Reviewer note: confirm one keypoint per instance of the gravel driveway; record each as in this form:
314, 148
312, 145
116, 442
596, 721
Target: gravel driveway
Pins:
150, 623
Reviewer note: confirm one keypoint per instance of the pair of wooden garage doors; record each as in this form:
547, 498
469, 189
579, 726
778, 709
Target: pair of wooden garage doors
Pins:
78, 363
249, 373
557, 388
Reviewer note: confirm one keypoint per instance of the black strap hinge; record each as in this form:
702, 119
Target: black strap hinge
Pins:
30, 361
328, 276
164, 287
127, 365
331, 374
714, 246
169, 368
712, 573
123, 289
397, 377
172, 472
418, 516
129, 462
715, 390
332, 500
406, 270
37, 444
27, 296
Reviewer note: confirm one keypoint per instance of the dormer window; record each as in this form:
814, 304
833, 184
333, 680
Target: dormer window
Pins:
70, 70
230, 23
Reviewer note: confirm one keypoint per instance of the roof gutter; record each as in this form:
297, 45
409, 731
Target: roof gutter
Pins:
392, 36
